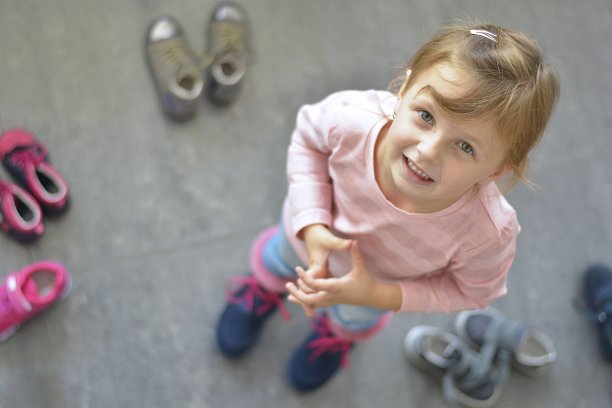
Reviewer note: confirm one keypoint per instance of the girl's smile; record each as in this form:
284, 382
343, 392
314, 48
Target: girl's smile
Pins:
415, 173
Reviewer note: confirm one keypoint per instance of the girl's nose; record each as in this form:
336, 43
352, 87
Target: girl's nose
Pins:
429, 147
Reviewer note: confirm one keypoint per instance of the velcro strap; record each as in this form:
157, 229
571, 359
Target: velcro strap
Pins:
16, 296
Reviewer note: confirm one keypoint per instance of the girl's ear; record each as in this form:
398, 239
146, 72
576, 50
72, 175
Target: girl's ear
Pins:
404, 87
502, 171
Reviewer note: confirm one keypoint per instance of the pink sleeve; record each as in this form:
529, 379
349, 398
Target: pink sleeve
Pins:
473, 280
310, 186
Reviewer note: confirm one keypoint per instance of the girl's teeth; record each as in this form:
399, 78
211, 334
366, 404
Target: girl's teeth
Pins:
421, 174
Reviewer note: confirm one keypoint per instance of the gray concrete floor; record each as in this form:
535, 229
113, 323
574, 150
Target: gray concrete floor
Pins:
163, 213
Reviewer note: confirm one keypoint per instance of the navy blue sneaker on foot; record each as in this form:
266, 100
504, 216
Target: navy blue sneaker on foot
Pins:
598, 295
318, 358
249, 307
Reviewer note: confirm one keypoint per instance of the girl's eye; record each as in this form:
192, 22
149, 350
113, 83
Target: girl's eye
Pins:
426, 116
466, 148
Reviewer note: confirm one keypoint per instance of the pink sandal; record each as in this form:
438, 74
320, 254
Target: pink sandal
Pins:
27, 160
28, 292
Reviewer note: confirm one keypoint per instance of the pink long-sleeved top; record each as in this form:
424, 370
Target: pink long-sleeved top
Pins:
450, 260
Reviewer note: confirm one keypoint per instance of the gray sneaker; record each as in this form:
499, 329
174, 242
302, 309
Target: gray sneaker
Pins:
227, 41
467, 378
177, 71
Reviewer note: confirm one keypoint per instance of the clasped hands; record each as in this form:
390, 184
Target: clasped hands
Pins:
316, 287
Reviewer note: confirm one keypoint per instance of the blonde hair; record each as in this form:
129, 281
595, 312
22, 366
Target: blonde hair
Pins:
512, 85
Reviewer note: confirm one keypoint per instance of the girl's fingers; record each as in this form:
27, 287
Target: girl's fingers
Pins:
307, 309
312, 300
305, 279
317, 285
316, 270
303, 287
357, 256
298, 294
336, 243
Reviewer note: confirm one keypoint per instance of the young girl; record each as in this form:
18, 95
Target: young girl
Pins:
392, 202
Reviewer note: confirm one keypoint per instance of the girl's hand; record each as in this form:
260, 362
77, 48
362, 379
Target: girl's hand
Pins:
320, 242
358, 287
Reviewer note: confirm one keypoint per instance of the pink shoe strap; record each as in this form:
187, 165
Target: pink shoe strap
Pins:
16, 296
60, 283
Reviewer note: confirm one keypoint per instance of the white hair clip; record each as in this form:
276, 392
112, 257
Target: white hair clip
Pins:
486, 34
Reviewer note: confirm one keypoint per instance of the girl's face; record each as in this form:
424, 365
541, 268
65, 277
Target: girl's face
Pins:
427, 160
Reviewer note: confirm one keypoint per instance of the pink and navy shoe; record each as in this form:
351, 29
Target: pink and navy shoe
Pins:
27, 160
248, 308
319, 357
28, 292
20, 214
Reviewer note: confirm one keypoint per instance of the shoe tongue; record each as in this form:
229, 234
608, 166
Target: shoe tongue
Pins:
447, 358
451, 352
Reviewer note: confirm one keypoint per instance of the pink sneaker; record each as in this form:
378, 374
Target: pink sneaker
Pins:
26, 293
20, 214
27, 160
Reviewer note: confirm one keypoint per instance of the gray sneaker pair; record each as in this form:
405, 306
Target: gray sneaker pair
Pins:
474, 364
181, 75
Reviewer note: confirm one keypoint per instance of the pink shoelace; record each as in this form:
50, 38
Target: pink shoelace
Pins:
328, 342
252, 291
32, 154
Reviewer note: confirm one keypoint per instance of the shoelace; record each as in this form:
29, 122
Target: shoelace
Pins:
229, 38
491, 348
328, 342
473, 373
249, 290
32, 154
174, 51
